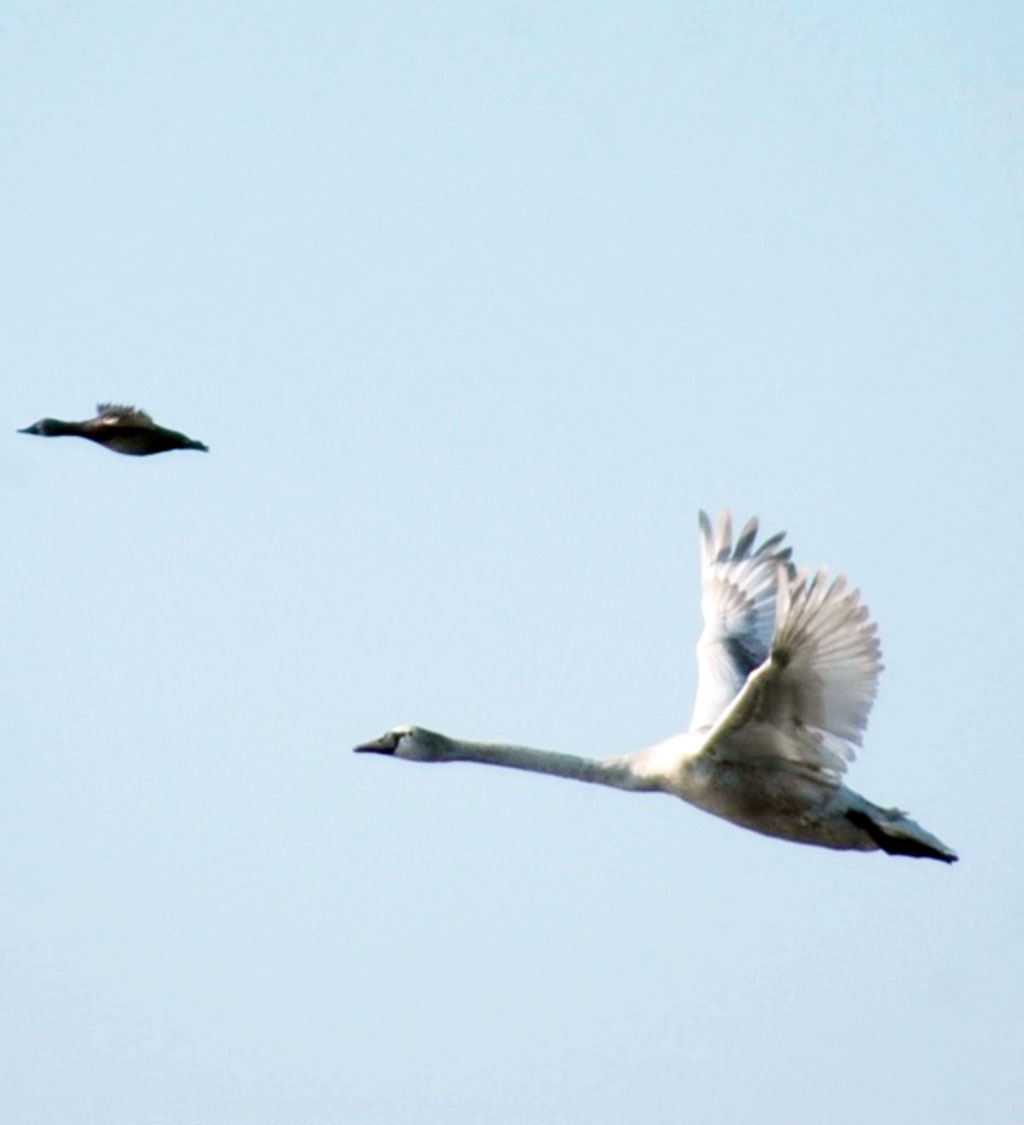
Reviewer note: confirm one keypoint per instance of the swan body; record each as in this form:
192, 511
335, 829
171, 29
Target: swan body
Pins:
788, 667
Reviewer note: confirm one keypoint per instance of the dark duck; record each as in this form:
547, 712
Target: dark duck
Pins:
120, 428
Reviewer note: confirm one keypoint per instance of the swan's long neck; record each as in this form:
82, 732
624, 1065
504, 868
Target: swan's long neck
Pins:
616, 772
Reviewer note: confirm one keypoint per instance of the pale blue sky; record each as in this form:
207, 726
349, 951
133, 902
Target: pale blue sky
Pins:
476, 305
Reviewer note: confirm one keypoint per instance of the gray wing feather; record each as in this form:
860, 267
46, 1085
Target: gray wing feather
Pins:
809, 703
739, 586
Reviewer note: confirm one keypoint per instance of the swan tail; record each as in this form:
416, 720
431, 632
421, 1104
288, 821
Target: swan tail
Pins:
896, 834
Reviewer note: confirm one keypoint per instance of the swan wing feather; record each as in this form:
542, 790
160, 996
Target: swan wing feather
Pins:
809, 702
738, 604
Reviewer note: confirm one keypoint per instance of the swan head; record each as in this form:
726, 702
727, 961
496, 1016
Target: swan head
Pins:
414, 743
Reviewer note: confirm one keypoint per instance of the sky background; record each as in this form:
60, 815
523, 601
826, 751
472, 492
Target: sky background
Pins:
476, 305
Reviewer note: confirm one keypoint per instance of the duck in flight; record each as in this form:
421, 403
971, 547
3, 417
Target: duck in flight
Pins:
788, 665
120, 428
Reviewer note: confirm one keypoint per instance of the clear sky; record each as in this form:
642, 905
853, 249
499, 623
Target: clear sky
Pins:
476, 305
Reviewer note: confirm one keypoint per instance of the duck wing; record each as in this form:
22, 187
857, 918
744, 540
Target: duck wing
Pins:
110, 414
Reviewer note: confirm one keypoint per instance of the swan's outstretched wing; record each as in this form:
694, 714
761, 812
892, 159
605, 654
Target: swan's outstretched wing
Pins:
808, 704
738, 603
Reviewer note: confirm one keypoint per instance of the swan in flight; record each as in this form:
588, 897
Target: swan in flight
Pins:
788, 666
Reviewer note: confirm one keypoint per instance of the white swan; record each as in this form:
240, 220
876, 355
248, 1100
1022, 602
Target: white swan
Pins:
788, 669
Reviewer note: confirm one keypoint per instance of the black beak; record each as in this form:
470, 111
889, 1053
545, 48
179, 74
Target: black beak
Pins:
384, 745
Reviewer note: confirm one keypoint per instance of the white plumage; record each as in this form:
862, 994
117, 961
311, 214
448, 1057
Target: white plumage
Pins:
788, 667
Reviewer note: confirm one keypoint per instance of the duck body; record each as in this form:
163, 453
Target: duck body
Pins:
122, 429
